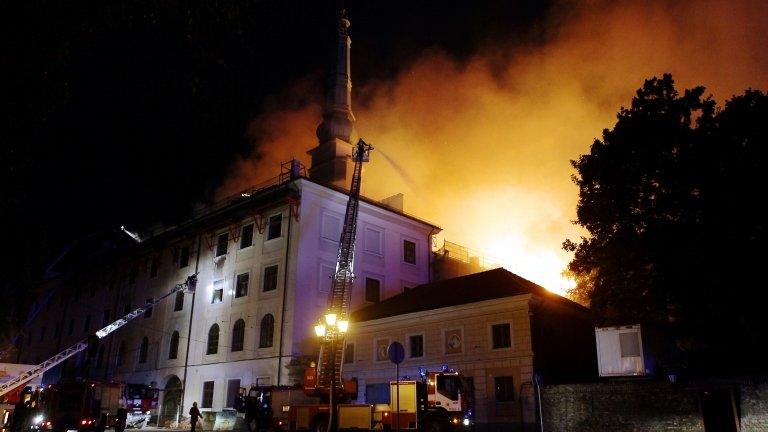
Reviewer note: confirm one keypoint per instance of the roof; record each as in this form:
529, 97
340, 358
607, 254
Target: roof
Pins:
488, 285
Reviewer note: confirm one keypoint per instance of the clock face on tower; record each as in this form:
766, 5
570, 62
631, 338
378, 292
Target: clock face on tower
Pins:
453, 341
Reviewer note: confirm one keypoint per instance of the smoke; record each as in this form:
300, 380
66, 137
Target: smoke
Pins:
486, 144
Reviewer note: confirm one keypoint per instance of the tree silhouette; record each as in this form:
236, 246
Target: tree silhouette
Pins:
671, 198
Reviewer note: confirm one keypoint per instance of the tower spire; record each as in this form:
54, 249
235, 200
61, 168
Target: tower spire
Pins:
336, 134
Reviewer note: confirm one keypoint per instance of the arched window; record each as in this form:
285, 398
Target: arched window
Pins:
173, 350
143, 349
238, 335
120, 358
267, 331
213, 340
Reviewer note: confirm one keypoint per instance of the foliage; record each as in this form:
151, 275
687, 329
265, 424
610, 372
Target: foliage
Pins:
671, 198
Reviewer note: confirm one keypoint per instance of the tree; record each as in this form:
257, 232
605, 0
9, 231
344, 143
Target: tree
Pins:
671, 198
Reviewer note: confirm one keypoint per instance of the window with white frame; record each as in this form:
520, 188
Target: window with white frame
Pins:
409, 252
222, 242
372, 290
330, 228
269, 281
241, 284
416, 345
372, 241
246, 236
274, 226
324, 280
217, 295
207, 399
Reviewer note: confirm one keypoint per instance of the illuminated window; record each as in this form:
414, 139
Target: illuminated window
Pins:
218, 291
207, 400
372, 290
267, 331
221, 244
409, 252
246, 236
143, 350
270, 278
274, 227
213, 340
241, 286
501, 335
238, 335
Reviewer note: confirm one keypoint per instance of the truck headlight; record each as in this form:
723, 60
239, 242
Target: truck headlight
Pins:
466, 422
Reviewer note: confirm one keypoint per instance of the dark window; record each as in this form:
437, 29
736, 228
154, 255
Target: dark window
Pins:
213, 340
179, 303
184, 257
100, 357
105, 317
501, 336
217, 295
87, 323
148, 312
233, 388
71, 327
143, 350
127, 309
56, 331
29, 338
92, 289
153, 267
349, 353
629, 343
132, 275
372, 290
207, 401
448, 386
274, 226
267, 331
246, 236
42, 334
409, 252
416, 345
221, 244
173, 350
504, 388
120, 358
241, 287
270, 278
238, 335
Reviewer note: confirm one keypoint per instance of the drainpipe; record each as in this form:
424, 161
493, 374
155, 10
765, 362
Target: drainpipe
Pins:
285, 294
189, 329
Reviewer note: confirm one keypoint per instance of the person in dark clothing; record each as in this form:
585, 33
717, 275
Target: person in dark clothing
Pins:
19, 416
194, 415
122, 417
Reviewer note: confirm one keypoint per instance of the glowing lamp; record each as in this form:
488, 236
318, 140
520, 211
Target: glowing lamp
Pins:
320, 330
343, 326
330, 319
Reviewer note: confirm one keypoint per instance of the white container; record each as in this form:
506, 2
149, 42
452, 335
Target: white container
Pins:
620, 351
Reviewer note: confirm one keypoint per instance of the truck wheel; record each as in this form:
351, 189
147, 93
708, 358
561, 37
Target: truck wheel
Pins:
320, 424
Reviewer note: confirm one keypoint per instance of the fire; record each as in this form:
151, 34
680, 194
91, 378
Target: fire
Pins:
482, 147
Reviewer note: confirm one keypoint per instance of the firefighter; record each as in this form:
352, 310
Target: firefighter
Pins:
194, 416
20, 412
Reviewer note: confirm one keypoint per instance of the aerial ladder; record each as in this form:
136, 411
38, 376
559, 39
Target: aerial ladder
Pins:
188, 285
336, 319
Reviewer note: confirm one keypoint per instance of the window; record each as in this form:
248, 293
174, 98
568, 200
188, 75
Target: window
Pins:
184, 257
246, 236
416, 346
372, 241
217, 295
153, 267
207, 400
267, 331
372, 290
349, 353
92, 289
143, 350
120, 358
504, 388
71, 327
233, 388
221, 244
241, 286
127, 309
270, 278
100, 357
380, 348
325, 279
213, 340
105, 317
178, 304
630, 344
238, 335
274, 226
501, 335
42, 334
409, 252
131, 276
87, 323
173, 349
148, 312
29, 338
331, 227
56, 331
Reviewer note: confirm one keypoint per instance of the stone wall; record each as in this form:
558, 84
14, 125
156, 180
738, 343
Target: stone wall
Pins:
620, 406
754, 407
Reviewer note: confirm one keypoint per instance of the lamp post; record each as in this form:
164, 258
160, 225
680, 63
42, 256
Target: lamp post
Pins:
330, 332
